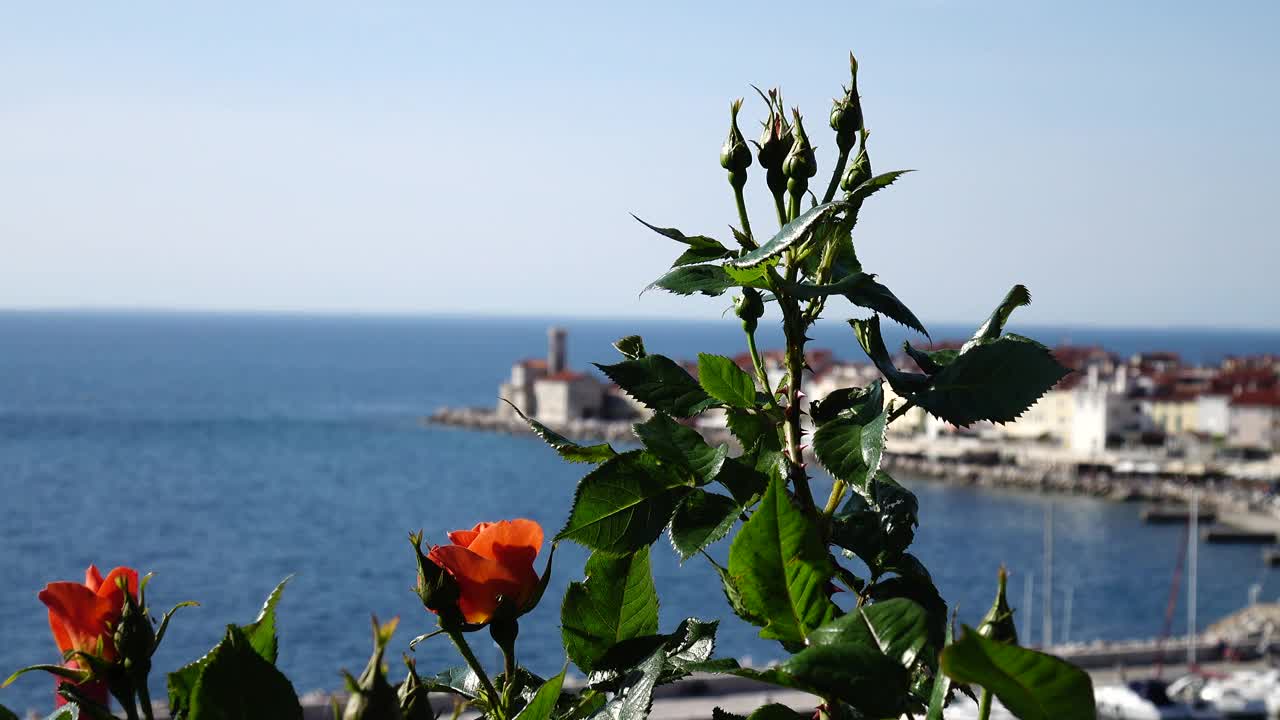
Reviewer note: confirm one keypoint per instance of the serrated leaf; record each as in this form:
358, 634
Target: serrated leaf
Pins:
754, 277
792, 233
897, 627
237, 683
751, 427
876, 184
931, 362
1018, 296
681, 446
660, 384
459, 680
848, 450
709, 280
635, 698
631, 347
623, 505
725, 381
863, 404
1032, 685
616, 602
544, 700
702, 254
914, 582
674, 234
872, 342
781, 568
7, 714
875, 296
996, 380
261, 635
720, 714
701, 519
70, 711
745, 483
566, 448
733, 596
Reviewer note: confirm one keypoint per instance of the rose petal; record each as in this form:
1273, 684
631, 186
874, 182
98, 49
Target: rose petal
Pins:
78, 617
466, 537
514, 543
480, 581
92, 578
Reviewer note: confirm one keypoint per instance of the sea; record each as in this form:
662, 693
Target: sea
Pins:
225, 453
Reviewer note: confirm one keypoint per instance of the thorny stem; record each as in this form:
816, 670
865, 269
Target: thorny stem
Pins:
835, 177
465, 651
793, 328
901, 411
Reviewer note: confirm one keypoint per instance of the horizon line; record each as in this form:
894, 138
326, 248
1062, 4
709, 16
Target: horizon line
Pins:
550, 317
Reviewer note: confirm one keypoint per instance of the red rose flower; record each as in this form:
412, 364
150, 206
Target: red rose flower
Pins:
491, 561
83, 617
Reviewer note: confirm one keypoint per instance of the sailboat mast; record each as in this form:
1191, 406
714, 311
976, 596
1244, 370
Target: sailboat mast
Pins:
1193, 552
1046, 639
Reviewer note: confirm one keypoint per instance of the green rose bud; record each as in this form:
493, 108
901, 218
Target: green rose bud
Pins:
749, 306
998, 623
135, 638
372, 697
414, 703
860, 171
774, 144
735, 156
800, 163
846, 115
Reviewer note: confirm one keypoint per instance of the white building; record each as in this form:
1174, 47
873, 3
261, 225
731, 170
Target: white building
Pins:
548, 390
1255, 420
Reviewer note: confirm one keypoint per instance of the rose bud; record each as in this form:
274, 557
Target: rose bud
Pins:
860, 171
414, 704
998, 623
735, 156
774, 144
749, 307
846, 115
800, 163
492, 564
372, 697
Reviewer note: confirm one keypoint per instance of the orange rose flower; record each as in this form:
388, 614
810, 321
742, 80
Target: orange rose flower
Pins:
83, 617
491, 561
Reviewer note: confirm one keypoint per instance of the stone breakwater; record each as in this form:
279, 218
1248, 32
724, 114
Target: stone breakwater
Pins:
980, 464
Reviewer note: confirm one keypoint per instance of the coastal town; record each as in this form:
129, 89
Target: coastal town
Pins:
1149, 415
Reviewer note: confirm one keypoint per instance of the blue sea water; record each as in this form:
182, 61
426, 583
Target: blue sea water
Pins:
227, 452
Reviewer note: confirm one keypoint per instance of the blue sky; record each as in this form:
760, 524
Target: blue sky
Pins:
1119, 158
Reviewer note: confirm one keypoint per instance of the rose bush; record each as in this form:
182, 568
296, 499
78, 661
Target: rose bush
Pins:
857, 618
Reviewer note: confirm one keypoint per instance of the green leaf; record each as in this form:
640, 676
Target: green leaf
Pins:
568, 449
869, 337
457, 680
623, 505
702, 254
261, 635
733, 596
631, 347
682, 446
237, 683
864, 403
780, 567
860, 675
838, 446
70, 711
931, 362
701, 519
7, 714
635, 698
1032, 685
941, 687
876, 184
754, 277
897, 627
794, 232
996, 380
1018, 296
660, 384
674, 234
778, 711
709, 280
751, 427
719, 714
725, 381
914, 583
875, 296
544, 701
745, 483
616, 602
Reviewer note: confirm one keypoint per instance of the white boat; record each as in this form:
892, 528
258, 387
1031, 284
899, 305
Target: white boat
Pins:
1146, 700
1232, 698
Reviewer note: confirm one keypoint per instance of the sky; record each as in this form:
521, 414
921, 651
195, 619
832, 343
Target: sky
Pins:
1119, 158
